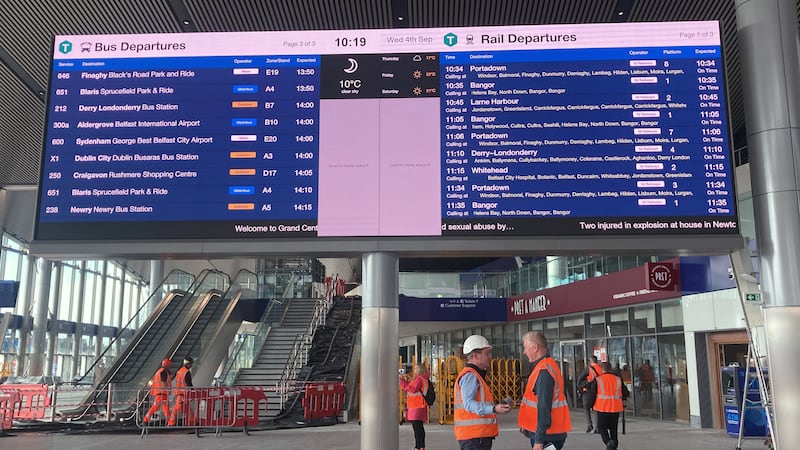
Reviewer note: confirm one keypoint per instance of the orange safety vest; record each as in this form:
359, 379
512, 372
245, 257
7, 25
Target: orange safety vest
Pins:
158, 387
180, 381
529, 406
416, 399
466, 424
598, 370
609, 394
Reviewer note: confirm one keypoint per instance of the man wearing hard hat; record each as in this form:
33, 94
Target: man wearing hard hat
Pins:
183, 381
159, 388
475, 412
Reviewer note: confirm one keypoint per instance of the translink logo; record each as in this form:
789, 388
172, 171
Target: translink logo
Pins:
450, 39
65, 47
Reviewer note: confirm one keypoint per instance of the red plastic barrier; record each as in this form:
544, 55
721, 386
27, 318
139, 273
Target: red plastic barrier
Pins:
8, 400
33, 401
250, 401
323, 400
213, 406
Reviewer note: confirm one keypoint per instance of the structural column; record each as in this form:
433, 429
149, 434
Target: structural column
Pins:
768, 41
25, 329
101, 312
156, 277
380, 321
52, 333
78, 339
555, 270
40, 317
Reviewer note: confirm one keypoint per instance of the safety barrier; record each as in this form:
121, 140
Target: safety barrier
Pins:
8, 400
324, 399
449, 369
207, 407
505, 379
33, 401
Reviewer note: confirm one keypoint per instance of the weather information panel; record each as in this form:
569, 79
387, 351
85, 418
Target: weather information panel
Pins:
608, 129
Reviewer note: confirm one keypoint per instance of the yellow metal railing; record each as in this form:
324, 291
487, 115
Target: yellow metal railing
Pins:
505, 379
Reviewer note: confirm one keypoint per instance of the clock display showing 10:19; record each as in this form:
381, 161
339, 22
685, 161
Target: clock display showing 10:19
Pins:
359, 41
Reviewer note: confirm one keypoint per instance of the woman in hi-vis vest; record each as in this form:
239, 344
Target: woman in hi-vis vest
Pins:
415, 402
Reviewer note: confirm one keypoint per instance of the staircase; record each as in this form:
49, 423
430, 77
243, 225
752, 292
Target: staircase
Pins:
271, 361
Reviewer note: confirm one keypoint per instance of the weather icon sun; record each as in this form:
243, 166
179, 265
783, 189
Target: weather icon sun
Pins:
417, 74
417, 90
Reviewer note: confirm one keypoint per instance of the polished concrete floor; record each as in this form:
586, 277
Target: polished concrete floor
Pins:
641, 434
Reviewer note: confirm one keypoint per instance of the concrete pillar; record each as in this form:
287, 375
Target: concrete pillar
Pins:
768, 42
555, 271
156, 277
40, 317
76, 344
101, 311
52, 334
25, 329
120, 308
380, 322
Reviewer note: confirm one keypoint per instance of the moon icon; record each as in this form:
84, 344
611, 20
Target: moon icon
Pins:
353, 65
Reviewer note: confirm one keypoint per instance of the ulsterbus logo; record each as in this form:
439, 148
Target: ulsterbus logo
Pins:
450, 39
65, 47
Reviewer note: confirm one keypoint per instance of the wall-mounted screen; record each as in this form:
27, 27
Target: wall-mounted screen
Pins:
558, 130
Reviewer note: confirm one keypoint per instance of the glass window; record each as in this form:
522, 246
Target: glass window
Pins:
550, 329
670, 316
619, 356
597, 324
618, 322
674, 391
572, 327
647, 401
644, 319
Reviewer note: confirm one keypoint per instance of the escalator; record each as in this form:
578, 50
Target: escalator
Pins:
208, 338
157, 338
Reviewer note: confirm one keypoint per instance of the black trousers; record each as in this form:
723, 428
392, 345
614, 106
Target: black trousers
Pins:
476, 444
607, 426
419, 433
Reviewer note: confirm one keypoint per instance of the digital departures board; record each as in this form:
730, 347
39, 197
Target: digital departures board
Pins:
562, 130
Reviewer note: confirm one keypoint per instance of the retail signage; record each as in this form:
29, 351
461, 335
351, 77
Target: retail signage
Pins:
627, 287
661, 276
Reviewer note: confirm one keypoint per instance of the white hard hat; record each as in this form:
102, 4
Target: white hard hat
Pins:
475, 342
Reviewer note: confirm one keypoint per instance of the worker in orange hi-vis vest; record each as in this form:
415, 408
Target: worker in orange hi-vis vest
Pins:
183, 381
474, 410
160, 386
610, 392
543, 413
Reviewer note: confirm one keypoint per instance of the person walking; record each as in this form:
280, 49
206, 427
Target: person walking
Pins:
610, 392
415, 400
544, 411
183, 381
475, 413
590, 372
160, 386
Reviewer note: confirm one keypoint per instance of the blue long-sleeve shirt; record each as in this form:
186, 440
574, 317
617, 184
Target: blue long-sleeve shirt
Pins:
470, 385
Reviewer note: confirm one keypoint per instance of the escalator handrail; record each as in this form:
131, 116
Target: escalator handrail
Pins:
199, 308
144, 331
156, 291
